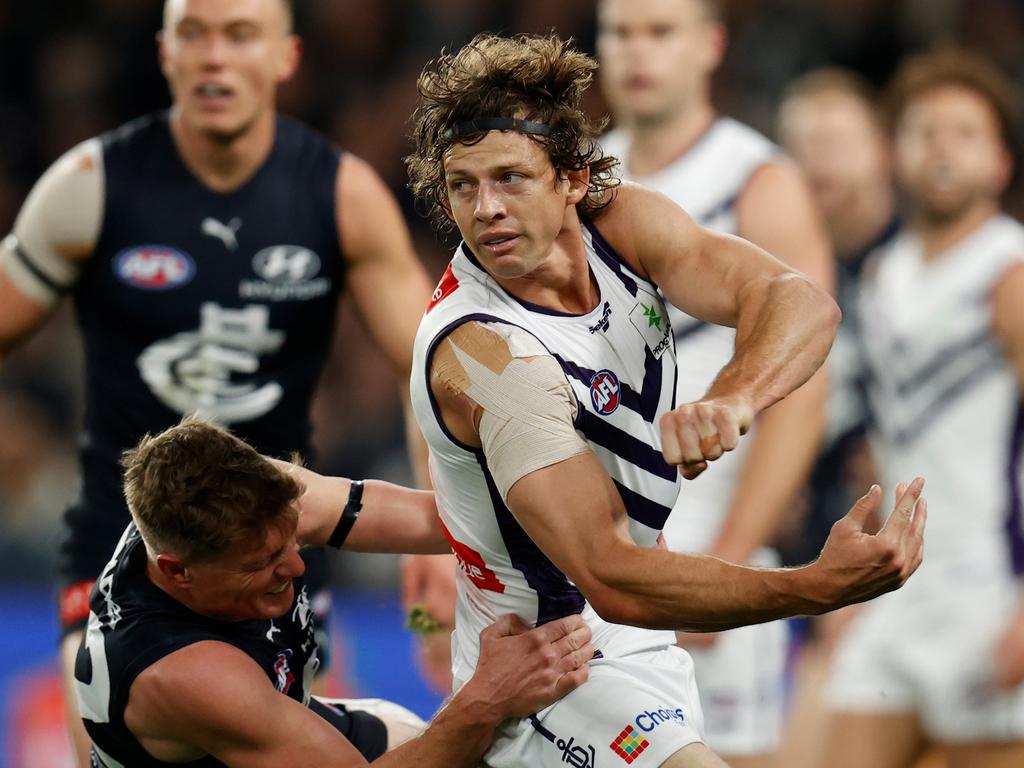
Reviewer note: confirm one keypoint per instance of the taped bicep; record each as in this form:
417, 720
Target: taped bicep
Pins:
57, 227
525, 405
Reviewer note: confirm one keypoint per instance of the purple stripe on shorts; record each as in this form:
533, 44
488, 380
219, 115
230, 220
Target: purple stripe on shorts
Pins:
1014, 525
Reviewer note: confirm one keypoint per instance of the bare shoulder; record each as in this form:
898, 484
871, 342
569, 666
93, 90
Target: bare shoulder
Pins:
1008, 301
370, 223
779, 173
640, 221
359, 189
472, 341
189, 682
356, 177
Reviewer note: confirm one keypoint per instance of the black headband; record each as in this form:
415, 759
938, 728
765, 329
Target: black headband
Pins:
485, 124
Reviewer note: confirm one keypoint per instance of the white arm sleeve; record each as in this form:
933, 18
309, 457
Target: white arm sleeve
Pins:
528, 409
58, 225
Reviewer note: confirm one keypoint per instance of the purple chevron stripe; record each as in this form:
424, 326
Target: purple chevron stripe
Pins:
611, 258
1013, 525
556, 595
645, 403
597, 430
642, 509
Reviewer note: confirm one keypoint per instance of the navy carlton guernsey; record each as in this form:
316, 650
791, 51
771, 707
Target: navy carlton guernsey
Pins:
221, 303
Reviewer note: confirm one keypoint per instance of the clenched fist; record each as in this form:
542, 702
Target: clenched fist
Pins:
695, 433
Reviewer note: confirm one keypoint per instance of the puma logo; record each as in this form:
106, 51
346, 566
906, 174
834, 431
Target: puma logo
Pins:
226, 233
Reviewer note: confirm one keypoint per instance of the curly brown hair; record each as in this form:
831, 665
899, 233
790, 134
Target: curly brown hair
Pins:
539, 78
954, 66
199, 491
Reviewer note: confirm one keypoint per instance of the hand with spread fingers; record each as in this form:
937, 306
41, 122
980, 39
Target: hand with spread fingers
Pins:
695, 433
523, 670
855, 566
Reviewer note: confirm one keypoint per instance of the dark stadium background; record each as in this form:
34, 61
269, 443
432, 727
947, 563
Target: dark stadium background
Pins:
70, 69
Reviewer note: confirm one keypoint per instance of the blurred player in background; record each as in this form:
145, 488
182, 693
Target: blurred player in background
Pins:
205, 249
829, 122
943, 662
657, 59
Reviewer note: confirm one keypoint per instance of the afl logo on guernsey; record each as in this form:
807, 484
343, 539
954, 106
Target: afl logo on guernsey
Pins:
154, 267
604, 392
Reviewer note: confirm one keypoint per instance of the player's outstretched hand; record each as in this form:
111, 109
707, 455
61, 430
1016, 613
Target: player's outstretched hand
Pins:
523, 670
695, 433
855, 566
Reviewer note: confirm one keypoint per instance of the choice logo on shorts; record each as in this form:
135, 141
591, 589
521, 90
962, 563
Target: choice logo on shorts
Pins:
154, 267
604, 391
648, 720
629, 744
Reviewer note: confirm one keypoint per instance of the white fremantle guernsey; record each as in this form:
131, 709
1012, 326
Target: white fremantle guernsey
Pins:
945, 399
620, 362
706, 182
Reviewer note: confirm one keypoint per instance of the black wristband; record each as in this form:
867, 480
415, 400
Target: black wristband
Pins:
348, 515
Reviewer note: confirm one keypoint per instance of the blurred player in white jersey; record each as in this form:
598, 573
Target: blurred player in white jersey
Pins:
943, 663
830, 125
657, 59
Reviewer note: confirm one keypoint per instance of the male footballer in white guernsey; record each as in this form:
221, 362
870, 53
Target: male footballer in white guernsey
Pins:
543, 380
943, 662
657, 58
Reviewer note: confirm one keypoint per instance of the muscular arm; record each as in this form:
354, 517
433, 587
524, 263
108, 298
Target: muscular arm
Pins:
211, 698
783, 447
1008, 324
570, 508
784, 322
390, 289
55, 231
393, 519
387, 282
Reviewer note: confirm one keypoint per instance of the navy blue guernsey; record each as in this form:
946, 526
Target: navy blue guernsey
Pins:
133, 624
199, 301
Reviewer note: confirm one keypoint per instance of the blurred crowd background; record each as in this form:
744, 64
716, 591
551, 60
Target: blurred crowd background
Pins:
70, 69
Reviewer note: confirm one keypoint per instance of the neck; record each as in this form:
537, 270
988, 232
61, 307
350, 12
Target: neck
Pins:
937, 237
563, 282
224, 163
858, 223
656, 144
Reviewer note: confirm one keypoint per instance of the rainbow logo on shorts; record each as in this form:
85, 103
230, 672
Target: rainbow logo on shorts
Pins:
629, 744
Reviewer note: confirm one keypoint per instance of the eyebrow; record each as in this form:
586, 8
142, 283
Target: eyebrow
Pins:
255, 565
501, 169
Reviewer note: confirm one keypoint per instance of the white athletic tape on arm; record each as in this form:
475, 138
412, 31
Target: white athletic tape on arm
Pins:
22, 275
527, 423
63, 211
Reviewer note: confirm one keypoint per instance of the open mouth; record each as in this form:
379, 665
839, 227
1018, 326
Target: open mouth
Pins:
280, 589
499, 244
213, 94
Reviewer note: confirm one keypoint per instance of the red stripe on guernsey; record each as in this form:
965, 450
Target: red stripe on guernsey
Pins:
449, 282
472, 564
74, 603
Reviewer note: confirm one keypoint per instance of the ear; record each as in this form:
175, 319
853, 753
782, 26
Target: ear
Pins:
161, 51
1007, 166
716, 42
447, 208
173, 569
290, 55
579, 185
